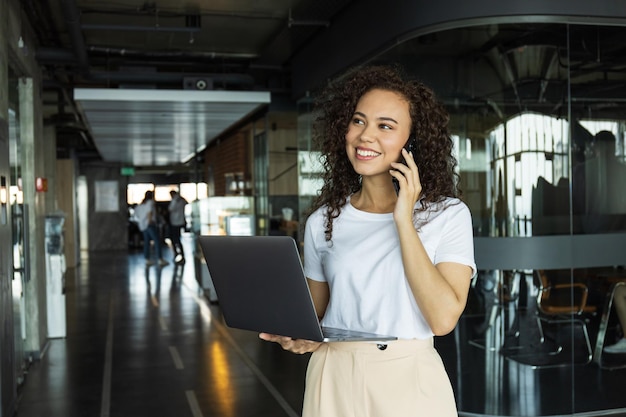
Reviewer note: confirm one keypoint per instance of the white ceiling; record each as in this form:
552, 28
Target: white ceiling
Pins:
139, 127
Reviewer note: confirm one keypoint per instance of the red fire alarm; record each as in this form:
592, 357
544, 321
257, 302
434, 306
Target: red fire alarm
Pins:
41, 184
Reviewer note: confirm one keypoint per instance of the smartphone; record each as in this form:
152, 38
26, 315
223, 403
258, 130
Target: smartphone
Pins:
410, 146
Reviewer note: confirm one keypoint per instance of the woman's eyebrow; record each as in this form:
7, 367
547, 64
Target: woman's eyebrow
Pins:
388, 119
382, 118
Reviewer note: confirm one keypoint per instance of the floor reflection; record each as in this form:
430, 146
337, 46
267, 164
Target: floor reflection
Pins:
220, 379
172, 354
524, 371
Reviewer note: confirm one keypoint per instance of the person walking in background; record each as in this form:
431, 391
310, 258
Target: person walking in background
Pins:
177, 221
380, 260
146, 215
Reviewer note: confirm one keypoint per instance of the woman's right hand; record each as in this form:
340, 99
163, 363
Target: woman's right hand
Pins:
299, 346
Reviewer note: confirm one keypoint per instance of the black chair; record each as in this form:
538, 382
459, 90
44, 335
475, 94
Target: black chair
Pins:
563, 303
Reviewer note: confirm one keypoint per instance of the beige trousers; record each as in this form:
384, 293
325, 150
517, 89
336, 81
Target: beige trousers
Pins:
357, 379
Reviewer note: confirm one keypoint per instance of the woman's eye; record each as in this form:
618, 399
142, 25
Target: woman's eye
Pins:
357, 121
385, 127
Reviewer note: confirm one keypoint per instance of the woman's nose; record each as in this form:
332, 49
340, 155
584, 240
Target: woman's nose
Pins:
367, 135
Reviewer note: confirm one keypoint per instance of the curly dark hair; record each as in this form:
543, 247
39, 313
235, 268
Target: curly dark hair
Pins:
334, 108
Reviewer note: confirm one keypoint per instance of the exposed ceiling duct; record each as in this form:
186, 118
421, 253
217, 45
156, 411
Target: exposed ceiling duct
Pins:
166, 46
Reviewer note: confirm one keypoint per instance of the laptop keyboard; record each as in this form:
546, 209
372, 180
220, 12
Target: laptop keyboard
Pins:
333, 332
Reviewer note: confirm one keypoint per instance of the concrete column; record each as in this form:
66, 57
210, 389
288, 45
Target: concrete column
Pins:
4, 67
33, 166
8, 392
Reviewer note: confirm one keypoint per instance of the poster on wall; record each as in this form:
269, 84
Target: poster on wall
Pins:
107, 196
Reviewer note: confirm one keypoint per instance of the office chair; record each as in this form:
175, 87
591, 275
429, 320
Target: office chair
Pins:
563, 303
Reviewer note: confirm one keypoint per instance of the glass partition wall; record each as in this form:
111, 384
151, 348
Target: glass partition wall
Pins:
538, 116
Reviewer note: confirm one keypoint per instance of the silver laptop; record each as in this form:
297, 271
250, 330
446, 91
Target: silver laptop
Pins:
260, 286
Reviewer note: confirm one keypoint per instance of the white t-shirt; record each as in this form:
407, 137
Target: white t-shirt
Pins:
142, 214
177, 211
363, 265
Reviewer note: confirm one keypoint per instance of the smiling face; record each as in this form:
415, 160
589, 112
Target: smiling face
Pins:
378, 130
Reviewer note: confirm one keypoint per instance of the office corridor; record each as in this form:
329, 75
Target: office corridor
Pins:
147, 342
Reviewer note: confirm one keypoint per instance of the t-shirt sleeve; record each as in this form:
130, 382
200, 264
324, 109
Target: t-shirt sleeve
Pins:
313, 229
457, 240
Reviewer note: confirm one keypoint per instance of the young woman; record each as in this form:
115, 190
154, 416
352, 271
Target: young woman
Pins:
380, 261
146, 214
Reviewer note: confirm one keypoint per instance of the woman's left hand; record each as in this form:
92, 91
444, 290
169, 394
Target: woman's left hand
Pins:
410, 186
299, 346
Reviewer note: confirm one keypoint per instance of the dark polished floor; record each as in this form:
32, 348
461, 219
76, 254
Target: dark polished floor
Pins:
147, 342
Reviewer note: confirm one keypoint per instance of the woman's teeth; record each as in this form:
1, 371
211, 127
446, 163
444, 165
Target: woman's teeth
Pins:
361, 152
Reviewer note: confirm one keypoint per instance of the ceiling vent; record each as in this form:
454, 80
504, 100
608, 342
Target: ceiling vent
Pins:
197, 83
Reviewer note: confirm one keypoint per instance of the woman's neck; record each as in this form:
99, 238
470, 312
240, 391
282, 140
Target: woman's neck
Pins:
380, 200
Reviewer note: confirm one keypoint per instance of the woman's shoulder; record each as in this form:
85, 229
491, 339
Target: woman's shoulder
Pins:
446, 209
447, 203
317, 215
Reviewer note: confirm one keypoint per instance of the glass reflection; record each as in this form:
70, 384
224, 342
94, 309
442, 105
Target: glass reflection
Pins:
529, 161
538, 118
